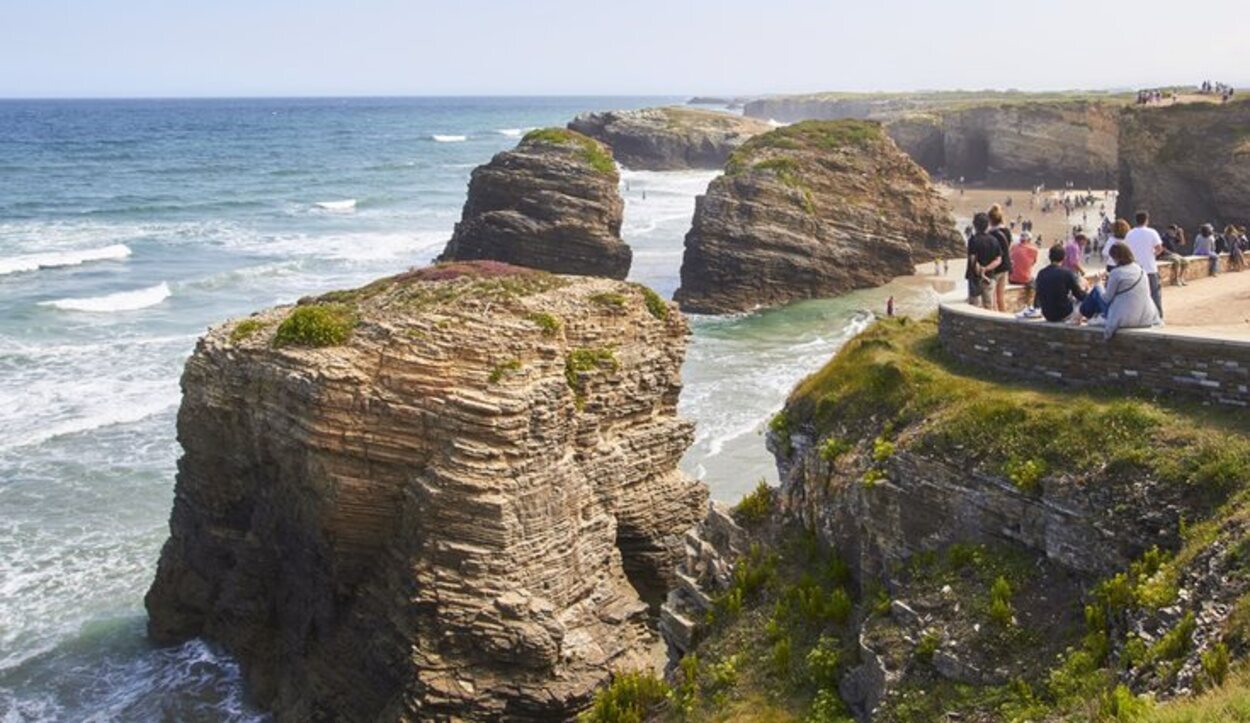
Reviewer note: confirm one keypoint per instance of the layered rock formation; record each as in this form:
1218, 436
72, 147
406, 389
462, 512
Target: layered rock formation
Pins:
450, 494
811, 210
1007, 139
552, 203
671, 138
1186, 164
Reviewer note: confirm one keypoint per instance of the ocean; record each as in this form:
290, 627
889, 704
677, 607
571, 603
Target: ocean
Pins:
129, 226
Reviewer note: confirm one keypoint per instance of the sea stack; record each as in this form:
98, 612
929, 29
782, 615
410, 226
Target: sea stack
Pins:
552, 203
811, 210
670, 138
451, 494
1186, 164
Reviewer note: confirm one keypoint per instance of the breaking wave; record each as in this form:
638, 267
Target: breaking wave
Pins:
59, 259
121, 301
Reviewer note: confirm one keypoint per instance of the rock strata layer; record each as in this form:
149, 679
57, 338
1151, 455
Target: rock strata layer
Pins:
552, 203
670, 138
460, 508
811, 210
1187, 164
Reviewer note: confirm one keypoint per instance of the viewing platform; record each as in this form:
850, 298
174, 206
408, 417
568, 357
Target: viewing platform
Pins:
1204, 356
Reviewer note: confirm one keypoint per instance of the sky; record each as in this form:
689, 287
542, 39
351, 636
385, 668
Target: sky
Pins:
175, 48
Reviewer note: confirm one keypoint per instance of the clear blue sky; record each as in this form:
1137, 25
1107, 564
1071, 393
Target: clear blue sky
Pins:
80, 48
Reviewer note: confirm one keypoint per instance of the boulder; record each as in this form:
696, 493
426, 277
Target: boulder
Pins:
1186, 164
670, 138
452, 494
552, 203
811, 210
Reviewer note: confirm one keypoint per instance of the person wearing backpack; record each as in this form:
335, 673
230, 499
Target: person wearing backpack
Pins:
1002, 234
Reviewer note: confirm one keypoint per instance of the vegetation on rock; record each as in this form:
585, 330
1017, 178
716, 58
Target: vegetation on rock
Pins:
592, 152
316, 325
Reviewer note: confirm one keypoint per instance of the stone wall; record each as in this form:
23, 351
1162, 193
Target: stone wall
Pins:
1215, 370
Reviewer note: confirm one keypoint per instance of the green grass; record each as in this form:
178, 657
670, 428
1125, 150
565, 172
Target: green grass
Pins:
583, 360
316, 325
656, 305
610, 299
1227, 703
592, 152
245, 329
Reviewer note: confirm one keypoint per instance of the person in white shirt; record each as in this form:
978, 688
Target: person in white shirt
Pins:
1146, 244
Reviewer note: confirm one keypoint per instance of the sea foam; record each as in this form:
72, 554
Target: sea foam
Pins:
121, 301
449, 139
344, 205
58, 259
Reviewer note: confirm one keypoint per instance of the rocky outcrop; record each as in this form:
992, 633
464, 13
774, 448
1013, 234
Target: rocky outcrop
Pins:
811, 210
1006, 139
670, 138
552, 203
1186, 164
451, 494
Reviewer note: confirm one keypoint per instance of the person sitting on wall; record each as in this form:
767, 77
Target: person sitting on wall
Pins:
1023, 259
1173, 241
1119, 232
984, 257
1204, 245
1057, 287
1126, 301
1074, 254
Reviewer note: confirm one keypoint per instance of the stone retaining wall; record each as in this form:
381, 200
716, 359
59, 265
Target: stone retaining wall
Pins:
1215, 370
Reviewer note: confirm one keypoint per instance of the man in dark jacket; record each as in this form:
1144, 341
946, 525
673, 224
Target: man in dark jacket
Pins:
1057, 287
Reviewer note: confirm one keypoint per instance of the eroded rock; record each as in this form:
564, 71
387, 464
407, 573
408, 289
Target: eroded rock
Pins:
441, 516
552, 203
669, 138
811, 210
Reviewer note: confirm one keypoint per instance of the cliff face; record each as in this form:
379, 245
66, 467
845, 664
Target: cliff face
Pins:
1186, 164
935, 487
449, 494
1021, 142
670, 138
552, 203
814, 209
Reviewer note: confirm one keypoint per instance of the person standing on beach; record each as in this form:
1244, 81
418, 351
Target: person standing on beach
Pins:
1146, 246
1003, 235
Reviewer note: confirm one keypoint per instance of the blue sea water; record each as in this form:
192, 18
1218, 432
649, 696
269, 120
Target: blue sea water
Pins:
129, 226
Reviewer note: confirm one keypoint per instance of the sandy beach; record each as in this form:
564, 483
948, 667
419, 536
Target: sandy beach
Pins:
1049, 226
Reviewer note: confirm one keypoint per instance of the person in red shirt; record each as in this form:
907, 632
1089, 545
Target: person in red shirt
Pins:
1023, 258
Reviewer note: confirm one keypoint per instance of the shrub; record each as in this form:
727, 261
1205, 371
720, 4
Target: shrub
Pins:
587, 359
927, 646
630, 698
1119, 704
822, 662
1215, 664
756, 506
504, 369
827, 707
245, 329
1001, 611
832, 448
549, 324
1025, 473
779, 425
316, 325
1175, 642
656, 304
610, 299
882, 450
779, 656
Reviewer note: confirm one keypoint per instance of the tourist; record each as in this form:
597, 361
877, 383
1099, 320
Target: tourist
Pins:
1146, 245
1074, 254
1173, 241
1003, 234
1232, 241
1204, 245
1023, 259
984, 257
1057, 287
889, 307
1126, 302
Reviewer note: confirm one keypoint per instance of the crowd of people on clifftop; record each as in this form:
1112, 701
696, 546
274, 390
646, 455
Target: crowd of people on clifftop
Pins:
1127, 293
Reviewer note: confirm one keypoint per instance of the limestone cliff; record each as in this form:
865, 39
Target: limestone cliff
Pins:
1003, 138
670, 138
450, 494
810, 210
552, 203
1187, 164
